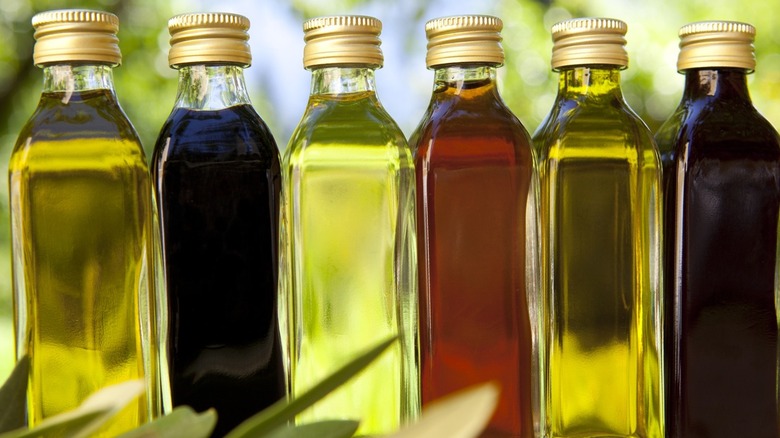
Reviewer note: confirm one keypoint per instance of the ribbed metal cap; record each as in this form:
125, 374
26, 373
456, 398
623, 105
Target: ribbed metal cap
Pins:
717, 44
76, 35
588, 41
464, 39
209, 38
342, 40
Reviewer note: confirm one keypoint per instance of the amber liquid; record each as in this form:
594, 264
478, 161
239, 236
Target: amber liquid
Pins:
473, 165
722, 186
218, 182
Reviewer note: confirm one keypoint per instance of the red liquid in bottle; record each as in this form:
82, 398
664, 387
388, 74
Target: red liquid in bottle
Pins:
473, 164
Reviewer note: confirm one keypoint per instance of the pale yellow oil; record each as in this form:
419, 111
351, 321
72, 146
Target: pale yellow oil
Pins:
350, 272
81, 218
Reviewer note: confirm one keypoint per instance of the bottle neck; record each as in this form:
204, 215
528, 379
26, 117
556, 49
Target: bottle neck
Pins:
465, 80
342, 80
211, 87
70, 78
591, 82
722, 84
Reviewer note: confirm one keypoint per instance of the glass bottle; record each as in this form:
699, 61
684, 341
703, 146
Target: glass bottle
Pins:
349, 269
217, 183
600, 231
474, 169
721, 162
81, 226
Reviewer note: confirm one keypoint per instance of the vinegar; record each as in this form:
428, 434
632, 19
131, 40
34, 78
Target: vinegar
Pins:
218, 183
722, 191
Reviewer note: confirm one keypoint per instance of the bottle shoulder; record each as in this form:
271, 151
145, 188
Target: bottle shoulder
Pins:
73, 114
742, 120
358, 122
449, 111
577, 124
666, 137
714, 128
669, 129
352, 109
467, 128
93, 116
232, 133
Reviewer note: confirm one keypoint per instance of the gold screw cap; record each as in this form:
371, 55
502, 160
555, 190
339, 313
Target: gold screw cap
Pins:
464, 39
342, 40
588, 41
209, 38
717, 44
76, 35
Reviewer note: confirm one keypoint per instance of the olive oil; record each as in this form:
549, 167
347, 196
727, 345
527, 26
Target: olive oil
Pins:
81, 226
82, 233
600, 232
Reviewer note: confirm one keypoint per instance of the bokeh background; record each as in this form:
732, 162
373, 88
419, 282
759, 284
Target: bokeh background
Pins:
279, 85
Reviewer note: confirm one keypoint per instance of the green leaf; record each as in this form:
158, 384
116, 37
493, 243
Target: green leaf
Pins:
13, 397
463, 414
181, 422
319, 429
70, 426
283, 411
84, 420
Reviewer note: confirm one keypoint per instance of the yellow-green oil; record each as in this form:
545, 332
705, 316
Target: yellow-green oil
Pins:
349, 243
600, 235
81, 221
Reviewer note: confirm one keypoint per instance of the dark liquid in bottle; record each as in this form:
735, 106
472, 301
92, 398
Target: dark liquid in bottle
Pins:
217, 177
723, 196
473, 165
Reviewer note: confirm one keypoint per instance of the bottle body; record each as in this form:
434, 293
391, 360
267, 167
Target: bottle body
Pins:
348, 245
600, 231
474, 166
722, 166
217, 181
82, 246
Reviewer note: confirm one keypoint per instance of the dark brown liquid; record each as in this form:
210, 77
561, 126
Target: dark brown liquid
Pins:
722, 196
217, 177
473, 165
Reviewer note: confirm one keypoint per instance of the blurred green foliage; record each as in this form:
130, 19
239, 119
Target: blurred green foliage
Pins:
650, 84
146, 86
